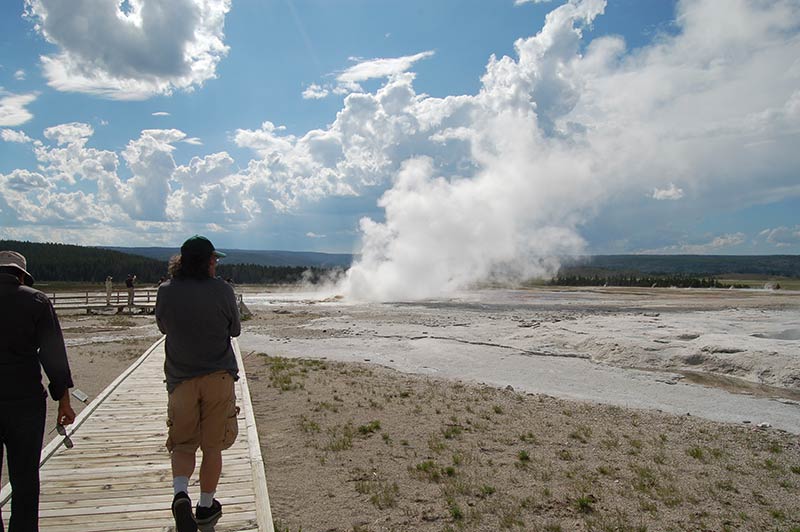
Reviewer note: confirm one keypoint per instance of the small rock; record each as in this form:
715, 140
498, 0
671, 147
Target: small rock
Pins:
763, 425
746, 421
509, 388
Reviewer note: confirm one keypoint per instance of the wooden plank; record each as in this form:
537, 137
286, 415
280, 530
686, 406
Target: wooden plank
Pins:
119, 450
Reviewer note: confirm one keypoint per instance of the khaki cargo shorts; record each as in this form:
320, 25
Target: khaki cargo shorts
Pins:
201, 412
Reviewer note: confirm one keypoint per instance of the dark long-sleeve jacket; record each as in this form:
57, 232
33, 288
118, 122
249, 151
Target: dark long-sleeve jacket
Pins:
29, 336
199, 316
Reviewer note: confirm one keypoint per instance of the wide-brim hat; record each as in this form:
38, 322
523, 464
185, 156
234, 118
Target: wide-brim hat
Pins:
200, 246
16, 260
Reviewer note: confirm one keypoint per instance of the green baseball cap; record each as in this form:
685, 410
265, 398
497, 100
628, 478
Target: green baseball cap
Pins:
200, 246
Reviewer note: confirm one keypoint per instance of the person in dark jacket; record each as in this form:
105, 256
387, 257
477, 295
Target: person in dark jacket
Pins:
30, 339
199, 314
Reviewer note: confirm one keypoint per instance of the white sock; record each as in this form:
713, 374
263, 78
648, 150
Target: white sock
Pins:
206, 499
180, 484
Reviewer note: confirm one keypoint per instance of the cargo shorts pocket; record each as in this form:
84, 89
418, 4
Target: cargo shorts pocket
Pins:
231, 427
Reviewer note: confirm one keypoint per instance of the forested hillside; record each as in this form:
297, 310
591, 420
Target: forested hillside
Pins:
683, 265
64, 262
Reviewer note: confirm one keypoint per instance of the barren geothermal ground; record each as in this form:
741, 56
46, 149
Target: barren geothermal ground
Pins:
543, 409
643, 348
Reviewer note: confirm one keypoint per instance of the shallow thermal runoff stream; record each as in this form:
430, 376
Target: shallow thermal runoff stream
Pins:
726, 355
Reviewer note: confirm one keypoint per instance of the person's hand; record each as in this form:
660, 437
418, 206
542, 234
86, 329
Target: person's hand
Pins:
66, 415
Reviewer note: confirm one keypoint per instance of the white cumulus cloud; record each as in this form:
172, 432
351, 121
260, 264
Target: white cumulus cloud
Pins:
13, 108
315, 92
19, 75
380, 67
12, 135
154, 48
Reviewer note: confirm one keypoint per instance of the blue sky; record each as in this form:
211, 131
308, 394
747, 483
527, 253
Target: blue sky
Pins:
624, 126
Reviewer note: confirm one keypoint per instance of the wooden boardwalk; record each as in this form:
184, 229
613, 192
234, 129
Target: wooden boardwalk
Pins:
117, 477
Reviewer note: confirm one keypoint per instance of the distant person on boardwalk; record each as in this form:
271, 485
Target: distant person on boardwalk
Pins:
109, 288
30, 338
130, 283
198, 313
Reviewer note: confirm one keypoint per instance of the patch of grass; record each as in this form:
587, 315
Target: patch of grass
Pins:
771, 465
282, 372
726, 485
385, 495
369, 428
324, 405
529, 437
340, 438
775, 448
524, 457
582, 433
696, 453
487, 490
452, 431
584, 504
428, 470
612, 442
564, 454
308, 426
435, 444
497, 409
455, 511
645, 480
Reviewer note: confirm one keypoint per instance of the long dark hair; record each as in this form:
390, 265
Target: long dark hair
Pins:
189, 267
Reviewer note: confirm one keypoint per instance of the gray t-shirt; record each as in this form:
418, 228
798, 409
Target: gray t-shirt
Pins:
199, 316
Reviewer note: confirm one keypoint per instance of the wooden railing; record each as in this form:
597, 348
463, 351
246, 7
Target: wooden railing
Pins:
145, 297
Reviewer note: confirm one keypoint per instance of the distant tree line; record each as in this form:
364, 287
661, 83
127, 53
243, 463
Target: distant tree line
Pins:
688, 265
256, 274
65, 262
678, 281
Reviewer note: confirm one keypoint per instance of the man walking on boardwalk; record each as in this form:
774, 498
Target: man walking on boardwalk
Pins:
199, 315
30, 338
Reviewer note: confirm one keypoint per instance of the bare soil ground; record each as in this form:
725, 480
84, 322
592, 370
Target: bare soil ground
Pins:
358, 448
